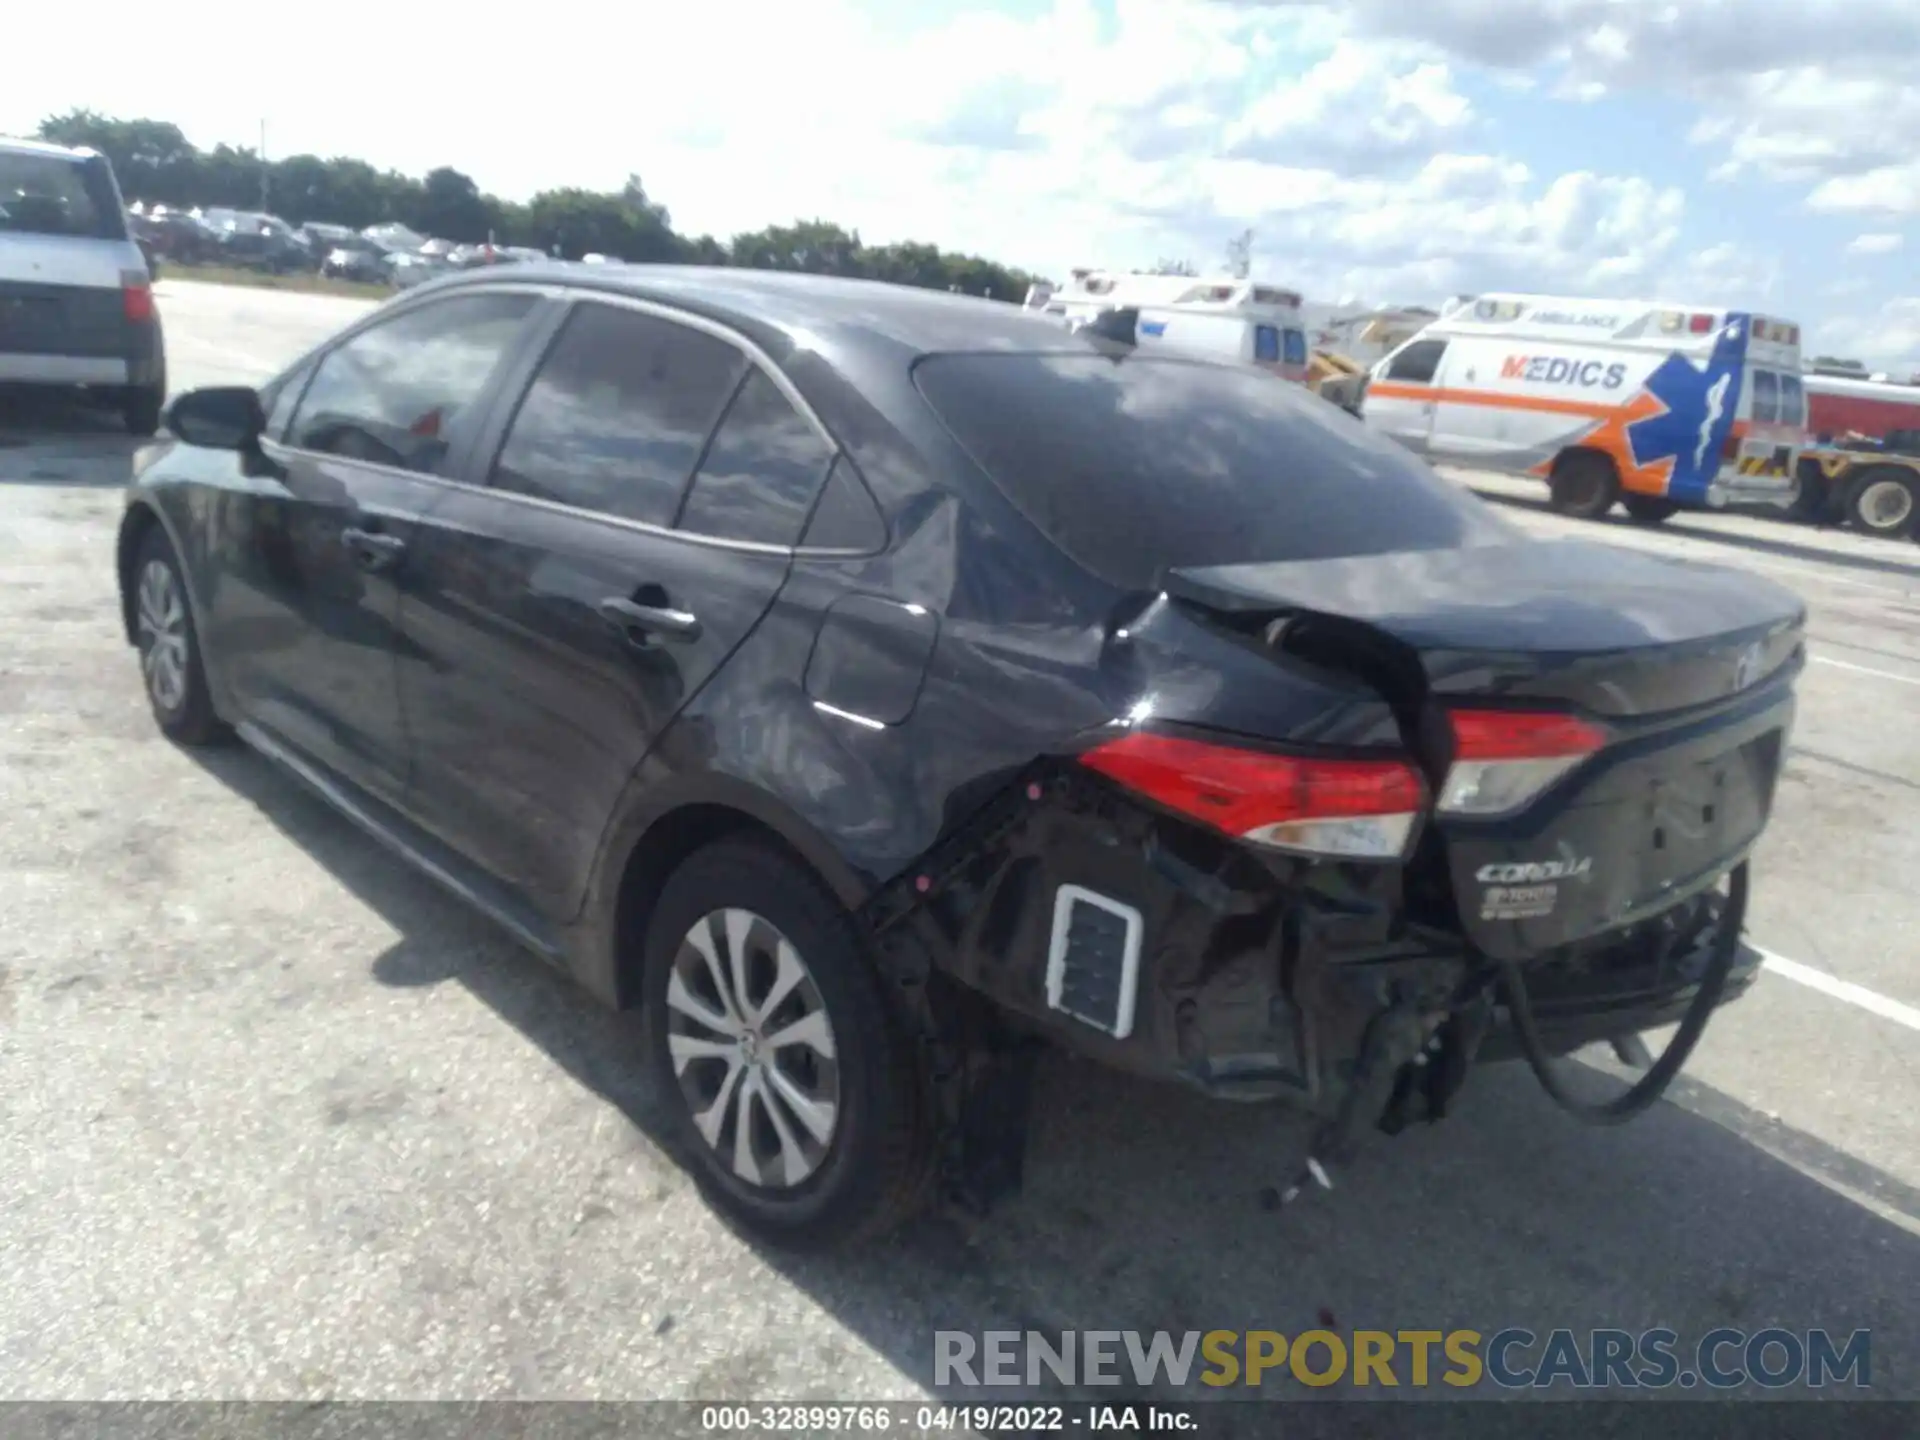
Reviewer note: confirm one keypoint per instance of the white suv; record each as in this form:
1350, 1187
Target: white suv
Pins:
76, 298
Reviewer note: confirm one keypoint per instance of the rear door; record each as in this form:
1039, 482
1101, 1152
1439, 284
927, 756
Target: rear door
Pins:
1405, 392
1774, 414
565, 611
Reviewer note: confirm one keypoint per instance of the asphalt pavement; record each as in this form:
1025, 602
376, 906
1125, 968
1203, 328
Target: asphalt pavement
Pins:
281, 1121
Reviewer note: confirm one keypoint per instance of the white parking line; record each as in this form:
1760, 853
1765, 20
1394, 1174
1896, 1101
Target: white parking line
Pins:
1866, 670
1846, 990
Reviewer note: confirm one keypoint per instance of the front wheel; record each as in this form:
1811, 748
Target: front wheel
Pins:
1584, 485
1649, 509
171, 666
793, 1087
1883, 501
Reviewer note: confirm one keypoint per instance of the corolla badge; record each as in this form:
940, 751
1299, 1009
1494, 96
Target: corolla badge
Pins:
1529, 872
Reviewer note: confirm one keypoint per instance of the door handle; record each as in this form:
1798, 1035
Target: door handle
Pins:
371, 551
640, 621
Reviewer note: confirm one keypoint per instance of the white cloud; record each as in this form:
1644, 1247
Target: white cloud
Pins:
1890, 189
1887, 339
1079, 133
1882, 243
1818, 91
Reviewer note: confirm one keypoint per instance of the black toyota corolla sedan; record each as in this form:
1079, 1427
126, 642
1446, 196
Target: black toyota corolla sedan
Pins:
876, 686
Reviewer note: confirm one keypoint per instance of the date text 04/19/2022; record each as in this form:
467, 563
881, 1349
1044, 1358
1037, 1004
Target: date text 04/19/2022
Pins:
910, 1419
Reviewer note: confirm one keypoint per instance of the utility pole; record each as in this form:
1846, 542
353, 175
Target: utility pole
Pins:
266, 206
1240, 255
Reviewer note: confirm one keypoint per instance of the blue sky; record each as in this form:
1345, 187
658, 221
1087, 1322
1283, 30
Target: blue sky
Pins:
1757, 152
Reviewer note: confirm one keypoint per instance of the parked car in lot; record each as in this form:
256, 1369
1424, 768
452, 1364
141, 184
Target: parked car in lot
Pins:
76, 297
868, 683
321, 238
251, 240
178, 236
359, 258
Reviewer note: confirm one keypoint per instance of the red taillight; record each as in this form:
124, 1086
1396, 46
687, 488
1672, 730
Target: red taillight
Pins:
136, 298
1504, 759
1362, 809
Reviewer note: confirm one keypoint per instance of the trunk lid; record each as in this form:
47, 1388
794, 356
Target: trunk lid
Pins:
1613, 631
1688, 667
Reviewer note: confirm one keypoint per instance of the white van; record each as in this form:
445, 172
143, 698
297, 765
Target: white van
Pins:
1225, 318
1661, 407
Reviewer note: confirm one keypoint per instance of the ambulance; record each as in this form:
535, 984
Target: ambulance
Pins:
1658, 407
1224, 317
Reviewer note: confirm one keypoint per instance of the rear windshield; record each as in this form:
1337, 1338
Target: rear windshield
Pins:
1138, 464
58, 195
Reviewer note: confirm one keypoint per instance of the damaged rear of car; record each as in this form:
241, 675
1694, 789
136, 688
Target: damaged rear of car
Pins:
1385, 787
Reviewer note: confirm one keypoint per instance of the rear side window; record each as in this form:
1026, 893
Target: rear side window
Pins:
402, 392
761, 472
1766, 398
846, 517
1418, 362
1296, 347
59, 195
1793, 401
1151, 462
616, 418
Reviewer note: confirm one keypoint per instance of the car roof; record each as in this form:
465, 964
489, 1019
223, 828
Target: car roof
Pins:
781, 310
46, 148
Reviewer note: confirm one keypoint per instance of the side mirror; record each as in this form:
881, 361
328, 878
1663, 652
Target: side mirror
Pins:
220, 417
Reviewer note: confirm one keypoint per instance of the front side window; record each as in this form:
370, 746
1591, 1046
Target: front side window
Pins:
761, 472
402, 393
1418, 362
618, 414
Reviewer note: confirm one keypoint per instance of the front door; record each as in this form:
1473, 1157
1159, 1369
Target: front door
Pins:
1404, 393
565, 613
321, 538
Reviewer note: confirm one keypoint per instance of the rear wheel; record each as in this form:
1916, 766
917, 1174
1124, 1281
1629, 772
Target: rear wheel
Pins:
793, 1087
140, 408
1810, 499
1883, 501
1649, 509
1584, 484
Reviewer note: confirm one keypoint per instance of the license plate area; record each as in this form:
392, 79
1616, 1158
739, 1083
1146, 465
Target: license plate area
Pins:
1633, 845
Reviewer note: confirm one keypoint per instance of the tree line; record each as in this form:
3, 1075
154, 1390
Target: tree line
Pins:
157, 164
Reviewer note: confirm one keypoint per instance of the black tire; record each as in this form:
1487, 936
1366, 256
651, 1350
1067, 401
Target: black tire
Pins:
1584, 484
1884, 501
184, 712
141, 409
873, 1172
1811, 501
1649, 509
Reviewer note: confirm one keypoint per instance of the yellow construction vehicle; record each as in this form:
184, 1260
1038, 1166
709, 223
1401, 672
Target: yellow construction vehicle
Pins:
1334, 377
